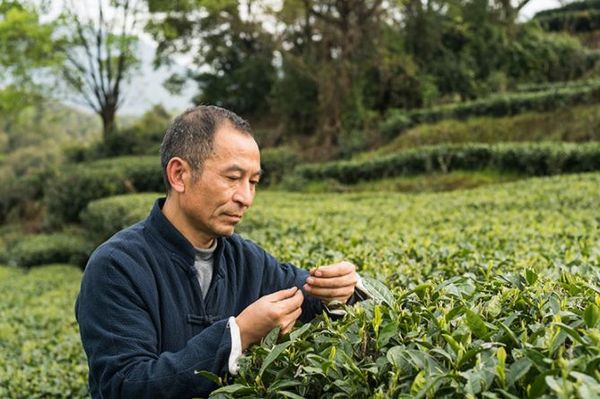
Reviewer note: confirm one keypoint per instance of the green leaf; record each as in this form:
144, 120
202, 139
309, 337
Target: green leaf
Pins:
290, 395
418, 382
517, 370
456, 347
476, 324
554, 384
234, 388
210, 376
591, 315
299, 331
501, 366
378, 291
275, 352
510, 333
394, 355
271, 338
571, 332
530, 276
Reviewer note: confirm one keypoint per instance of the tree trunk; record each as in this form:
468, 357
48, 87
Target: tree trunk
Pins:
109, 124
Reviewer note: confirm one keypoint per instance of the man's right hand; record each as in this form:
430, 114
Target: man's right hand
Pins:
279, 309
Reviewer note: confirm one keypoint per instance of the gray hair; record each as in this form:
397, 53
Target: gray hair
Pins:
191, 136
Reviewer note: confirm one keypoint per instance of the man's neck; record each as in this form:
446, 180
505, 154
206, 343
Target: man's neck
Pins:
177, 219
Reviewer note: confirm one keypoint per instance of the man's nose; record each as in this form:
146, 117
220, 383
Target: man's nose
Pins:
244, 195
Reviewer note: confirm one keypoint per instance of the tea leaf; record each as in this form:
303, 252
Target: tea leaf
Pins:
275, 352
591, 315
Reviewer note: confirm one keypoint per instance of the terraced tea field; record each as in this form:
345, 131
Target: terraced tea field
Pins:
492, 292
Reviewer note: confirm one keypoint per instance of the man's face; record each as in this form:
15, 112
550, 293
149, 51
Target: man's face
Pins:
217, 200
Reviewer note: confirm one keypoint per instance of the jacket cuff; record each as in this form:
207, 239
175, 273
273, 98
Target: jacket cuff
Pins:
236, 347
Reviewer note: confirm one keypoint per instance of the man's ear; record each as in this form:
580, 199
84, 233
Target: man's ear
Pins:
177, 170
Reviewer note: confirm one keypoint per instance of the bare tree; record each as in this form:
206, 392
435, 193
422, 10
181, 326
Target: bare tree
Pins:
100, 55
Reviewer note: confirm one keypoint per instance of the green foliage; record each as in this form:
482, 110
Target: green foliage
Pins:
532, 87
106, 216
573, 6
512, 266
572, 21
294, 98
140, 137
276, 163
39, 339
47, 124
573, 124
431, 182
238, 51
26, 49
530, 159
44, 249
578, 16
23, 177
495, 293
78, 184
499, 105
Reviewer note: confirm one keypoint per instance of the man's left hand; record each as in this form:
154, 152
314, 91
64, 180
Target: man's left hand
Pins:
334, 282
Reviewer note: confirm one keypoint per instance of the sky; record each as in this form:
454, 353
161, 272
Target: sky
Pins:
145, 88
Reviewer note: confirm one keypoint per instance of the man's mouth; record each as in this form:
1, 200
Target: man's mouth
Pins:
234, 216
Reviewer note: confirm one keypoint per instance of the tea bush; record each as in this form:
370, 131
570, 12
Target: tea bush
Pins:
78, 184
106, 216
526, 158
499, 105
496, 293
39, 338
276, 163
43, 249
493, 293
572, 21
574, 124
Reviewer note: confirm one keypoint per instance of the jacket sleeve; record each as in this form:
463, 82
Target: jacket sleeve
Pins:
120, 338
279, 276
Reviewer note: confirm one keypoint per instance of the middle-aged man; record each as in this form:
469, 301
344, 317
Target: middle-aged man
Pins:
179, 292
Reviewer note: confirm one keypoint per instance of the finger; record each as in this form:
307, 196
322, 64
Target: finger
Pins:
336, 269
332, 282
330, 293
281, 295
289, 305
292, 322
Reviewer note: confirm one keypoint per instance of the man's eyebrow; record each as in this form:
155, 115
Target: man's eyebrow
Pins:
238, 168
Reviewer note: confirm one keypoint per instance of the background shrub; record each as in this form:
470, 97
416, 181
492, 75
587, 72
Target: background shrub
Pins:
531, 159
276, 163
24, 174
78, 184
43, 249
40, 346
496, 106
106, 216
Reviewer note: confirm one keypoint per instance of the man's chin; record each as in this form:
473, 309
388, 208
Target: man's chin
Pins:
227, 231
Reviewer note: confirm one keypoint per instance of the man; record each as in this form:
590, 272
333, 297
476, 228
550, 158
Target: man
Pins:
179, 292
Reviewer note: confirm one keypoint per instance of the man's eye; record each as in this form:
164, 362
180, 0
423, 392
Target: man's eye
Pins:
254, 182
233, 178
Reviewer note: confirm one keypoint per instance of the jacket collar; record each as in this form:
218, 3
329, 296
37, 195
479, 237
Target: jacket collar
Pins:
169, 233
175, 241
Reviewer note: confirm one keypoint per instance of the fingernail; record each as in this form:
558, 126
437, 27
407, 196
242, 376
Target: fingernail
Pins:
306, 287
310, 280
318, 273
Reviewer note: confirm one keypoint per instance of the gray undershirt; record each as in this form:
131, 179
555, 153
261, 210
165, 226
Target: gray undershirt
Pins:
204, 266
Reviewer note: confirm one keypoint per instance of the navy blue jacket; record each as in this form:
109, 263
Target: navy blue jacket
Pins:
144, 325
